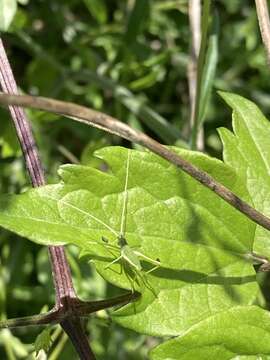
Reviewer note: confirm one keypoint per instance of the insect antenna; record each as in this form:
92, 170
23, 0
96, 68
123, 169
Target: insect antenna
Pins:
121, 236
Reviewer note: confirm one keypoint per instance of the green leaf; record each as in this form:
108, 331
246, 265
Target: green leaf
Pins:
43, 341
87, 157
13, 345
98, 10
7, 12
148, 80
247, 150
200, 240
240, 333
42, 75
136, 20
209, 69
9, 145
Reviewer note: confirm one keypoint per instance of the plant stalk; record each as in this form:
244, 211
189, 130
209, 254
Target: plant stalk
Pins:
114, 126
264, 23
64, 290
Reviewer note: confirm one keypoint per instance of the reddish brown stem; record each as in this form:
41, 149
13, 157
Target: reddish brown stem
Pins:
64, 289
74, 329
78, 309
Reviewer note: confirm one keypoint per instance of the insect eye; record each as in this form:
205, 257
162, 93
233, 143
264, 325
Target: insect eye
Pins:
122, 241
104, 239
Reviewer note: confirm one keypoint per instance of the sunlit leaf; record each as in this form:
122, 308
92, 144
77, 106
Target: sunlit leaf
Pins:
136, 20
200, 240
7, 11
247, 150
43, 341
240, 333
98, 9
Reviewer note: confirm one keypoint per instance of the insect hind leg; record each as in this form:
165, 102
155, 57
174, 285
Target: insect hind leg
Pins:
153, 269
131, 281
113, 262
146, 283
115, 256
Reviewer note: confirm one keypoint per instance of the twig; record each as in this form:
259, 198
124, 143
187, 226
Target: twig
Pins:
264, 22
154, 121
50, 317
79, 309
110, 124
68, 154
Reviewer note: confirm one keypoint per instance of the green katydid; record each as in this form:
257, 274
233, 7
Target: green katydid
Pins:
128, 257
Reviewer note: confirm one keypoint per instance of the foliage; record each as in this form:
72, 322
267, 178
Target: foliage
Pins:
43, 341
167, 213
129, 59
218, 337
7, 12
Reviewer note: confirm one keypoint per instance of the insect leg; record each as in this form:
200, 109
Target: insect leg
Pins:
130, 279
154, 262
110, 251
146, 283
114, 261
153, 269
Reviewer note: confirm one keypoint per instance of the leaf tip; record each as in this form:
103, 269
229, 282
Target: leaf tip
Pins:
227, 96
235, 101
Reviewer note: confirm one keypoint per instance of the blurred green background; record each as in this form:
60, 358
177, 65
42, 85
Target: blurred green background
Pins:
128, 59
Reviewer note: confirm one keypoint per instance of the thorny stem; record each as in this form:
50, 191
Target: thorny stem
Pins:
62, 276
110, 124
64, 289
79, 309
60, 268
82, 308
73, 327
41, 319
21, 123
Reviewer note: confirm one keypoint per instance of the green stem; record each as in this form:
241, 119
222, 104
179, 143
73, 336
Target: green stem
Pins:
59, 347
201, 61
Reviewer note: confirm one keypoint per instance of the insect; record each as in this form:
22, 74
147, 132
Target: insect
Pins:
128, 256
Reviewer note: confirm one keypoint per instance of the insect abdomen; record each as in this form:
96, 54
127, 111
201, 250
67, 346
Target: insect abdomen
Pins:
131, 258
